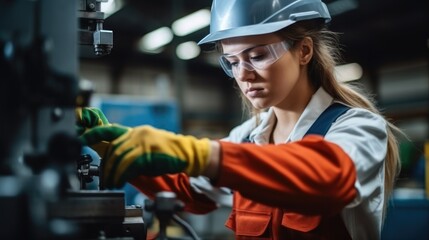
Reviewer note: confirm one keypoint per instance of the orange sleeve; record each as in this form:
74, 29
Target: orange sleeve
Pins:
179, 184
311, 176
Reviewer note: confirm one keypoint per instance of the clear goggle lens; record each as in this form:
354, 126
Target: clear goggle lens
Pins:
259, 57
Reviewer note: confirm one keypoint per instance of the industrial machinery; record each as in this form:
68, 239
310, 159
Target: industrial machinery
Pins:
91, 32
44, 170
43, 173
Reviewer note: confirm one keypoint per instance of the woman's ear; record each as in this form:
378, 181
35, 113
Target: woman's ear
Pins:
305, 50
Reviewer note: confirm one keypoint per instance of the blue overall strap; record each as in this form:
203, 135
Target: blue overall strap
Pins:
325, 120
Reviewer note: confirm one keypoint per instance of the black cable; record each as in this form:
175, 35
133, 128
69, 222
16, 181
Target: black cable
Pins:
191, 232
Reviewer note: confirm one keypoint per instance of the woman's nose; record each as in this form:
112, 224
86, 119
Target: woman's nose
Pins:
245, 72
243, 69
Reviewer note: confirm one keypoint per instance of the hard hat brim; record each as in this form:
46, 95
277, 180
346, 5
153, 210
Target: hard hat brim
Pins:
256, 29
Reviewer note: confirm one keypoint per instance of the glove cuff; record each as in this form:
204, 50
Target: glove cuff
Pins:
198, 164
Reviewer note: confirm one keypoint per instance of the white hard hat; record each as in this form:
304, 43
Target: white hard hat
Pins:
236, 18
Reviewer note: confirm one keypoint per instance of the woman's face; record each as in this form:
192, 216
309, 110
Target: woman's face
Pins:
274, 85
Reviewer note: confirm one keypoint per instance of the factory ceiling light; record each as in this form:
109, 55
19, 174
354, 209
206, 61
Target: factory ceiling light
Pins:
191, 23
156, 39
110, 7
348, 72
188, 50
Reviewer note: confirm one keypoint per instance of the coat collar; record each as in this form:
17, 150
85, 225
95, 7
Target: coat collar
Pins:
318, 103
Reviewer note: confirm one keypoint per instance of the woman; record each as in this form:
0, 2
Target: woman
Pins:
286, 184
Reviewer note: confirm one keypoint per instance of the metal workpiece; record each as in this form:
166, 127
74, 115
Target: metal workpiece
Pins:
99, 215
90, 206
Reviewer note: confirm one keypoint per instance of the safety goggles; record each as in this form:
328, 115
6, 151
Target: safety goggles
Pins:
258, 57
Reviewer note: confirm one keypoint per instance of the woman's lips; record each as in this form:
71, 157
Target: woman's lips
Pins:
254, 92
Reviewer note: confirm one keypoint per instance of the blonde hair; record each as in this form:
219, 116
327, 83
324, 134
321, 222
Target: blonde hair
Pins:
326, 55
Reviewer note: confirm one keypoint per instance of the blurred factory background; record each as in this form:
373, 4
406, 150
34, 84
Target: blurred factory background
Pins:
156, 74
155, 57
156, 64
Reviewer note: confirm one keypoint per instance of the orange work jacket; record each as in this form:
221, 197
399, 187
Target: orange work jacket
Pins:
289, 191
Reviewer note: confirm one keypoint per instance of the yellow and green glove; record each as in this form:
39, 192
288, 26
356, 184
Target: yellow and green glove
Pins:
148, 151
88, 118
